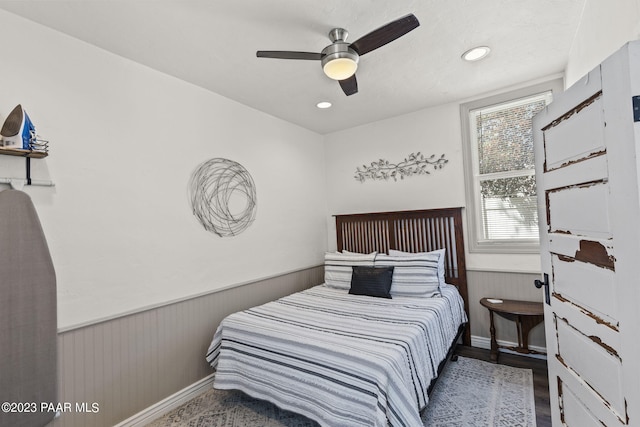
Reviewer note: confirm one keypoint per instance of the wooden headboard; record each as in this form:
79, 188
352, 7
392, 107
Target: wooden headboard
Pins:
410, 231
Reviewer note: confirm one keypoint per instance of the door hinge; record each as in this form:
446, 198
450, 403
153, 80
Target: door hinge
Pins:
636, 108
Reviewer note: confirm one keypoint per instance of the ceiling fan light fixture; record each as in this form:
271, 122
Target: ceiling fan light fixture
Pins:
339, 61
476, 53
340, 68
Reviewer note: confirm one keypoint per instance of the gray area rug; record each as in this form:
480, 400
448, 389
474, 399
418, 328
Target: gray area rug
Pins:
470, 393
476, 393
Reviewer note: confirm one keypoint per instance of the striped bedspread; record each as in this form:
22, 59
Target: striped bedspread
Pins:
339, 359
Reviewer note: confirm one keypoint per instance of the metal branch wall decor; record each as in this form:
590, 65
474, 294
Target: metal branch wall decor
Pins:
413, 164
212, 187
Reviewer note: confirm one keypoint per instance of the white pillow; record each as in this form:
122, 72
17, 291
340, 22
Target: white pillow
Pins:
338, 267
413, 274
439, 252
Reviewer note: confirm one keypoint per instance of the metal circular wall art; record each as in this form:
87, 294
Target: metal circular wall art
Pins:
223, 196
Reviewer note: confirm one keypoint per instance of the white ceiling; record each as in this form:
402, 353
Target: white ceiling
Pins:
213, 44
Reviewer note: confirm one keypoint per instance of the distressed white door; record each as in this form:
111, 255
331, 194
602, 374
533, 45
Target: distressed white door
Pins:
586, 146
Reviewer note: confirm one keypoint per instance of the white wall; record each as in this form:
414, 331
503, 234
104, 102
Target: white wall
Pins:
431, 131
124, 140
604, 28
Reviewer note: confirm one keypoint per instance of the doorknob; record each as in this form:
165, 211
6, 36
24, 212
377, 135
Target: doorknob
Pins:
544, 283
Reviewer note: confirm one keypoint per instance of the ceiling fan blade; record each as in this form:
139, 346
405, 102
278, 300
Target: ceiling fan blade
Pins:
284, 54
349, 86
385, 34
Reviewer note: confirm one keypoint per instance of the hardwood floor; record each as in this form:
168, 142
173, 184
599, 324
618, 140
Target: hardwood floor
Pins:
540, 379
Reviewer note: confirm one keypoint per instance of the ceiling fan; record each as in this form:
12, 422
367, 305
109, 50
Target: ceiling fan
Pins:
339, 60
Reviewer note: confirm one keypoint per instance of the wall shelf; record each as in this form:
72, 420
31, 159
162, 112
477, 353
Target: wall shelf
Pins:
23, 153
27, 155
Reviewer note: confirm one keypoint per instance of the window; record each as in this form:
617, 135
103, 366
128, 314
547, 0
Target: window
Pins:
500, 168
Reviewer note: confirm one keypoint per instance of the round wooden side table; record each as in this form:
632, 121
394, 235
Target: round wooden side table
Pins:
526, 315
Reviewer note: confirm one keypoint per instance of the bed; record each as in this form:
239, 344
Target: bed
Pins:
342, 357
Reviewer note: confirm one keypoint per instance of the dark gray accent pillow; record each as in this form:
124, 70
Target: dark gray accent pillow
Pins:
371, 281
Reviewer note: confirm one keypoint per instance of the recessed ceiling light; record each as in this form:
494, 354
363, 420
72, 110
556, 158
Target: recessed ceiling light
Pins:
476, 53
323, 104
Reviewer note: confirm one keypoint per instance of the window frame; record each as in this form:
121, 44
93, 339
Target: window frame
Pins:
470, 161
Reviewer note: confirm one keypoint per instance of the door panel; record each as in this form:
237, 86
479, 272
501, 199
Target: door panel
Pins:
586, 285
593, 170
601, 371
575, 413
580, 210
604, 334
595, 251
584, 131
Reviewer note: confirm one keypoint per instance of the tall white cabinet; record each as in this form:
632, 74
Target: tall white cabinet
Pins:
587, 146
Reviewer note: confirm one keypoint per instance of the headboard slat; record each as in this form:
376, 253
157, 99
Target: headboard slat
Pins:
410, 231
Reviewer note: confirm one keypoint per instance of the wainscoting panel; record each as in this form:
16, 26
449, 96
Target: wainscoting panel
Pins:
112, 370
506, 285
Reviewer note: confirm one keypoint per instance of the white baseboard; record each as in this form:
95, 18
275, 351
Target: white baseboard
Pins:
157, 410
484, 342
